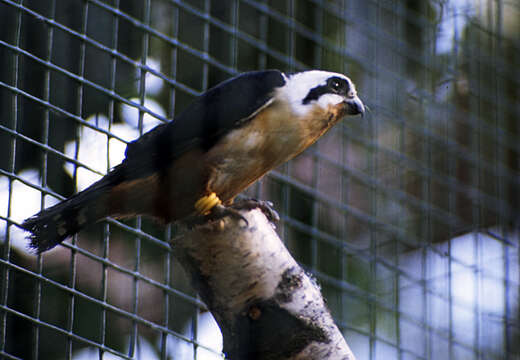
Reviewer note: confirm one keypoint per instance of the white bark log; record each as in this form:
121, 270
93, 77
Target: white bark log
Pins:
265, 304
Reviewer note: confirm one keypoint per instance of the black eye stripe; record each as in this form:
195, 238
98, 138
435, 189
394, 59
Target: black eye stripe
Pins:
330, 88
338, 83
315, 93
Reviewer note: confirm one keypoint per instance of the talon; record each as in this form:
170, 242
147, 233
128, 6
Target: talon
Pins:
206, 203
221, 211
265, 206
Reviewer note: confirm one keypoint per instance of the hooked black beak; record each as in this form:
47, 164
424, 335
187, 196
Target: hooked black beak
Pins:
355, 106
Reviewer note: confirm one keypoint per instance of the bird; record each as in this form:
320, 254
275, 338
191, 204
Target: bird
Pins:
225, 140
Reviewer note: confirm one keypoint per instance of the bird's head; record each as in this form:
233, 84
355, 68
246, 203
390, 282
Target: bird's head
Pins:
308, 89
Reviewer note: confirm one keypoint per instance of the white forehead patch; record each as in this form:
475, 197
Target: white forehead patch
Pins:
298, 86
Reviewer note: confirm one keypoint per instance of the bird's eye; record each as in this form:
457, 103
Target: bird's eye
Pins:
335, 85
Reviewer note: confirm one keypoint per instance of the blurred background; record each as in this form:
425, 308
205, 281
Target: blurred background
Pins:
408, 217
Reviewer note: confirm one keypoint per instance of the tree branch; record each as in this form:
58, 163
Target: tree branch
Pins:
265, 304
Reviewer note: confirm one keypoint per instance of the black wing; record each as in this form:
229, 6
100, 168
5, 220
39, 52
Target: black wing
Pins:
203, 123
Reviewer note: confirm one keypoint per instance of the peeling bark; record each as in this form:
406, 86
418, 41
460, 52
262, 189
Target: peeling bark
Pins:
265, 304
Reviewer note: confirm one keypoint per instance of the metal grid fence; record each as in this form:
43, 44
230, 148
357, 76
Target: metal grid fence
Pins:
408, 218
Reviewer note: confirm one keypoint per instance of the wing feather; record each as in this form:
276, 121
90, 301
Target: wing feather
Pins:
213, 114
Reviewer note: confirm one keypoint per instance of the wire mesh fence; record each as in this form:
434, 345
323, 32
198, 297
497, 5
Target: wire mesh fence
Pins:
408, 218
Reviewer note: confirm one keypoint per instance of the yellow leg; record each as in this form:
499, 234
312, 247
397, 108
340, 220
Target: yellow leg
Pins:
206, 203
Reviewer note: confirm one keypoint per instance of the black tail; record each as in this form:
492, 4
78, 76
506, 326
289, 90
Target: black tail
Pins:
53, 225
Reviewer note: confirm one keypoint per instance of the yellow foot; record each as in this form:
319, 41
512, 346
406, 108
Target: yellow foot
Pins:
206, 203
